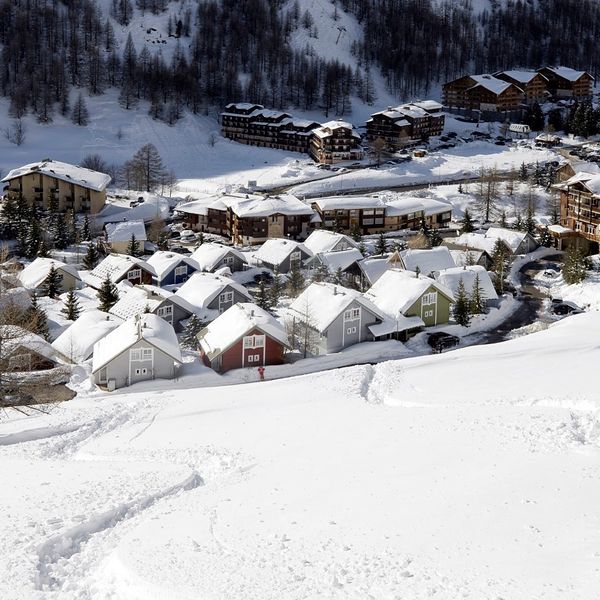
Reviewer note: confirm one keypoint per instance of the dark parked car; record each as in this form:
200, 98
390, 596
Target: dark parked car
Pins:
440, 340
565, 308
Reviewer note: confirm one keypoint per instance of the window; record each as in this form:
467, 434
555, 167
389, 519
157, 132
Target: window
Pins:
430, 298
164, 311
181, 270
352, 315
138, 354
143, 371
228, 260
368, 221
428, 313
350, 330
134, 274
254, 341
253, 358
226, 297
296, 255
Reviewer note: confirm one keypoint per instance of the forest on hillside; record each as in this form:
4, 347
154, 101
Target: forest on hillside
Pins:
228, 51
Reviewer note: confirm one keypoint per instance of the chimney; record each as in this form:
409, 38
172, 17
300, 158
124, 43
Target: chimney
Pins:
334, 290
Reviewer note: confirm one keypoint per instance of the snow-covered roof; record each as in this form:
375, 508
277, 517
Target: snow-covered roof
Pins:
65, 172
135, 301
321, 240
322, 303
341, 259
547, 137
559, 229
404, 206
275, 251
400, 323
475, 240
511, 237
208, 255
349, 202
374, 268
122, 231
14, 337
452, 277
235, 323
243, 105
465, 257
428, 261
434, 207
77, 341
202, 288
567, 73
428, 105
491, 83
35, 273
116, 266
589, 180
254, 206
151, 328
327, 129
163, 262
396, 291
201, 206
520, 76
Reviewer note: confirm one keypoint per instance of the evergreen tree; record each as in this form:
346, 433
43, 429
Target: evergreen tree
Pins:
10, 214
53, 283
545, 238
295, 279
43, 251
529, 224
189, 338
321, 273
263, 297
356, 233
108, 295
34, 239
338, 277
36, 320
86, 233
523, 172
276, 288
503, 222
519, 222
467, 225
61, 233
91, 258
381, 245
478, 306
434, 238
71, 309
462, 308
575, 266
499, 264
133, 248
79, 114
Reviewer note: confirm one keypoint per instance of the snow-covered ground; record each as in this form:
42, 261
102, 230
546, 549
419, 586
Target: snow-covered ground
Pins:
437, 476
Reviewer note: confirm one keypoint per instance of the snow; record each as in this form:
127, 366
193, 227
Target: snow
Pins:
340, 259
254, 206
135, 301
396, 291
164, 262
235, 323
13, 338
36, 272
374, 268
567, 73
151, 328
589, 180
115, 266
322, 240
427, 261
65, 172
520, 76
400, 323
349, 202
77, 342
118, 208
321, 303
275, 251
209, 255
491, 83
511, 237
478, 241
202, 288
122, 232
466, 257
451, 278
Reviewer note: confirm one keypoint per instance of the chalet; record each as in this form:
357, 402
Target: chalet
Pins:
322, 240
516, 242
77, 341
140, 349
406, 124
52, 182
404, 213
208, 215
335, 141
451, 278
143, 299
348, 214
426, 262
438, 214
172, 268
210, 295
118, 268
243, 336
118, 235
343, 263
371, 269
399, 294
282, 255
564, 82
34, 275
338, 317
211, 257
533, 83
579, 212
483, 92
23, 351
464, 258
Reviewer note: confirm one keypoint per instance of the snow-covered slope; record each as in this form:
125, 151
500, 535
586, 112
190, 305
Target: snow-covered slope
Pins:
437, 477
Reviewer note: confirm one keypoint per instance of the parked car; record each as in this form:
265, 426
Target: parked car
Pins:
187, 235
180, 249
566, 308
440, 340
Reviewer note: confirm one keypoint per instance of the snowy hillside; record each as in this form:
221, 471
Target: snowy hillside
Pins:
429, 477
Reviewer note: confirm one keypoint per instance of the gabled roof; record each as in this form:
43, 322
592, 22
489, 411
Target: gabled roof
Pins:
148, 327
122, 231
201, 206
404, 206
202, 288
35, 273
235, 323
463, 257
349, 202
163, 262
491, 83
256, 206
428, 261
275, 251
522, 76
511, 237
568, 73
396, 291
451, 278
590, 180
208, 255
342, 259
322, 303
116, 266
374, 268
14, 337
72, 174
321, 240
139, 299
77, 341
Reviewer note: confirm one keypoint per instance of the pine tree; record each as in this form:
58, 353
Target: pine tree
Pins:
53, 283
545, 238
523, 173
381, 245
33, 239
189, 338
338, 277
71, 309
108, 295
79, 114
462, 309
478, 306
519, 222
529, 224
295, 279
276, 288
91, 258
36, 319
503, 222
467, 225
133, 248
575, 266
10, 214
43, 251
61, 232
499, 264
356, 233
263, 297
86, 233
321, 273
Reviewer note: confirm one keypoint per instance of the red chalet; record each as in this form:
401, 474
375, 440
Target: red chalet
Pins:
243, 336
